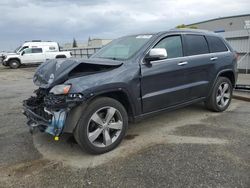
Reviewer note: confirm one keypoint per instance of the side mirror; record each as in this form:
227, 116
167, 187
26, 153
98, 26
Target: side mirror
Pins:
22, 53
156, 54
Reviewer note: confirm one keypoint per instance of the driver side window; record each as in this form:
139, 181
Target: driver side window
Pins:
173, 46
27, 51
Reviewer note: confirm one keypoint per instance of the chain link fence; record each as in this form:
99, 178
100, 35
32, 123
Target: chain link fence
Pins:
82, 52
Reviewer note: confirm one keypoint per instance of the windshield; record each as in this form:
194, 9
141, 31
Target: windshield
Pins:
122, 48
16, 50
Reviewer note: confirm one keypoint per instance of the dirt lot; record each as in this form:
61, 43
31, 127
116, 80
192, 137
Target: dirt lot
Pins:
191, 147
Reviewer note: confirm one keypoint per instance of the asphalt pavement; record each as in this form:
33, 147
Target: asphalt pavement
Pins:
190, 147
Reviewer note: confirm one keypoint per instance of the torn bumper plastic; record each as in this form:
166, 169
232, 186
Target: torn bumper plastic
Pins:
51, 122
48, 112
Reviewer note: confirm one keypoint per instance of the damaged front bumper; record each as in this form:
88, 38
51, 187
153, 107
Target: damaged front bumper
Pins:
48, 112
53, 126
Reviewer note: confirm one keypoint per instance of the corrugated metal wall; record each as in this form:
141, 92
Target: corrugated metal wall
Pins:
239, 44
239, 40
234, 32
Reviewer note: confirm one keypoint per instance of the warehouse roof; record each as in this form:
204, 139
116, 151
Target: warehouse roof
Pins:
220, 18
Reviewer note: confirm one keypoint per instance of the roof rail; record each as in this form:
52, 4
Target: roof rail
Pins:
38, 41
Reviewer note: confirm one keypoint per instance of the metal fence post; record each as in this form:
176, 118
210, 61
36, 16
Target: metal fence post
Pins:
247, 27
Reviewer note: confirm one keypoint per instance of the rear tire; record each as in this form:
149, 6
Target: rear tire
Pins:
102, 126
221, 95
14, 64
60, 57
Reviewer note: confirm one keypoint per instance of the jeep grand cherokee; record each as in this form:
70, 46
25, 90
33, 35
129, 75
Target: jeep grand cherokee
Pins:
131, 78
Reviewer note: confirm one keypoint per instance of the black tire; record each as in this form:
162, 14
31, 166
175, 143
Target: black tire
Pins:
60, 57
4, 64
211, 103
14, 64
82, 129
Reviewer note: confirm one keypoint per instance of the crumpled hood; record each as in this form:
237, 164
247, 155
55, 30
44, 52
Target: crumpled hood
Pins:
57, 71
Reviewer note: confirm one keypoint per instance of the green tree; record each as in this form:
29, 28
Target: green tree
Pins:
181, 26
192, 27
74, 45
185, 26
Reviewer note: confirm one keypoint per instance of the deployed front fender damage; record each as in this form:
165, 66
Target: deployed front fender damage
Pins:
49, 112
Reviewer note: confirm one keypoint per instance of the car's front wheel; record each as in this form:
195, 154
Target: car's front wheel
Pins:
102, 126
221, 96
14, 64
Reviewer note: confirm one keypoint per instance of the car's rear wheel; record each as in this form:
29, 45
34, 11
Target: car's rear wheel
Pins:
102, 126
221, 96
14, 64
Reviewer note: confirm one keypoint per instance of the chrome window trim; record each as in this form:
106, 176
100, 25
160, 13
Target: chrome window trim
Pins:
157, 61
180, 34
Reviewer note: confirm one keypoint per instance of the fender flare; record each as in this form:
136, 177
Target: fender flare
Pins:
13, 58
218, 74
75, 113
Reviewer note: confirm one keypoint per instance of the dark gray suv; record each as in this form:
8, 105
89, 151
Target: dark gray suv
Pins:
129, 79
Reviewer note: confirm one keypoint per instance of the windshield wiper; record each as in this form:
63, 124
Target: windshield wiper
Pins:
112, 58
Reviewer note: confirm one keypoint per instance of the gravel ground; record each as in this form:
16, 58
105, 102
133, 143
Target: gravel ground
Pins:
190, 147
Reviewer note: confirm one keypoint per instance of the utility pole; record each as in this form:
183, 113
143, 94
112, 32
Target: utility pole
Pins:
247, 27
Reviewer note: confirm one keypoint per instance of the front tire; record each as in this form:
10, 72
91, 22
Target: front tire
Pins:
102, 125
221, 95
14, 64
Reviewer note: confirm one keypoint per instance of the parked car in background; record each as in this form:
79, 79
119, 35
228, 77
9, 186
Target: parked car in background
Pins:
47, 45
129, 79
34, 52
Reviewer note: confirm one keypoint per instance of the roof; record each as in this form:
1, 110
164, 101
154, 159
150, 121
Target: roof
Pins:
173, 31
187, 30
220, 18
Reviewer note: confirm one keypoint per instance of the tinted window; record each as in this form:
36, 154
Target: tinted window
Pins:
52, 48
216, 44
173, 46
37, 50
196, 44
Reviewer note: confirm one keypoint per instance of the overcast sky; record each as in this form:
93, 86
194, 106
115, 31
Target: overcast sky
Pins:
60, 21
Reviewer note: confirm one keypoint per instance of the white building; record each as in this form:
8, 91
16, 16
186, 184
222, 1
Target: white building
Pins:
91, 43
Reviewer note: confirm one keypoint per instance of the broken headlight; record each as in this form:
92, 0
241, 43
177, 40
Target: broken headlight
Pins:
60, 89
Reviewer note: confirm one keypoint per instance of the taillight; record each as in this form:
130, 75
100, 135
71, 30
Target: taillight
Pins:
237, 56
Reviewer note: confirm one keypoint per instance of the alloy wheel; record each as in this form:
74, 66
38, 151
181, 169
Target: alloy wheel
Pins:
104, 126
223, 95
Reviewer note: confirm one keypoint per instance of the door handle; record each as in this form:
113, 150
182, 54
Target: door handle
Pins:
182, 63
213, 58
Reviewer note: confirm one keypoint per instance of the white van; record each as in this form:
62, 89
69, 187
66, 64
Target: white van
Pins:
47, 46
34, 52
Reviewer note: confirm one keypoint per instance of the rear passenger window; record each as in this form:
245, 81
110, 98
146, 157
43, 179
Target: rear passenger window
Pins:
37, 50
216, 44
52, 48
173, 46
196, 44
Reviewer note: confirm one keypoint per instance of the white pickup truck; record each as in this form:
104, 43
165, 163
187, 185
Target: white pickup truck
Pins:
34, 52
